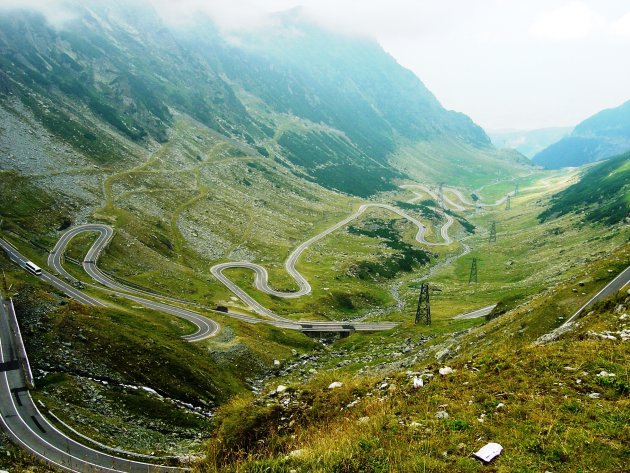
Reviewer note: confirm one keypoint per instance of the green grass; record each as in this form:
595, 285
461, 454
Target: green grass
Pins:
456, 164
27, 209
602, 194
547, 421
527, 257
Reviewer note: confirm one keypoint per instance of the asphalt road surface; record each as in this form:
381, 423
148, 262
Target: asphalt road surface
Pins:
475, 314
28, 428
66, 288
614, 286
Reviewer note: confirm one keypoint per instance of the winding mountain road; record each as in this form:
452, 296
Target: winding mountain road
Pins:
28, 428
459, 195
15, 256
261, 281
206, 327
20, 416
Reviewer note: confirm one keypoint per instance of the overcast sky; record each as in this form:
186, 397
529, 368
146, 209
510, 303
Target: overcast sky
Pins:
507, 63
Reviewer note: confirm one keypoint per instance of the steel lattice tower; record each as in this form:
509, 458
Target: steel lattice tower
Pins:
423, 312
508, 202
441, 195
473, 271
493, 232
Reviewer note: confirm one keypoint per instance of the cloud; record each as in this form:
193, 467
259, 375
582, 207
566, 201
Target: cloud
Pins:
574, 20
621, 27
56, 12
230, 16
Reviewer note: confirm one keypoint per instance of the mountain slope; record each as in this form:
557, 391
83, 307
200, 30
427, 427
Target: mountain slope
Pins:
605, 134
331, 108
602, 194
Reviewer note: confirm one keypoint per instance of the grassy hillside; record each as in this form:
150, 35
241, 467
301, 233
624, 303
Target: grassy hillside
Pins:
126, 370
559, 407
197, 152
602, 194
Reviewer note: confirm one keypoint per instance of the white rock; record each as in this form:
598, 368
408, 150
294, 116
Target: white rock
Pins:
276, 362
594, 395
441, 415
281, 388
417, 382
442, 354
500, 406
335, 385
445, 370
605, 374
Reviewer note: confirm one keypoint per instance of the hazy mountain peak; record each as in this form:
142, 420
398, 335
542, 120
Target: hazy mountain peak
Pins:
600, 136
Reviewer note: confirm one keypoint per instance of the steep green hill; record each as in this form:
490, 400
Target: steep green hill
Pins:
602, 194
605, 134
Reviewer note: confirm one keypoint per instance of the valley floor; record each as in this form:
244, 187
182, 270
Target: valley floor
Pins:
517, 269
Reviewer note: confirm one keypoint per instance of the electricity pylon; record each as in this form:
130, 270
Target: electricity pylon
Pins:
423, 312
473, 271
508, 202
493, 232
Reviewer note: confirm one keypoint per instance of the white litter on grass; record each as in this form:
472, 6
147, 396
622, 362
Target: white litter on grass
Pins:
417, 382
335, 385
488, 452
